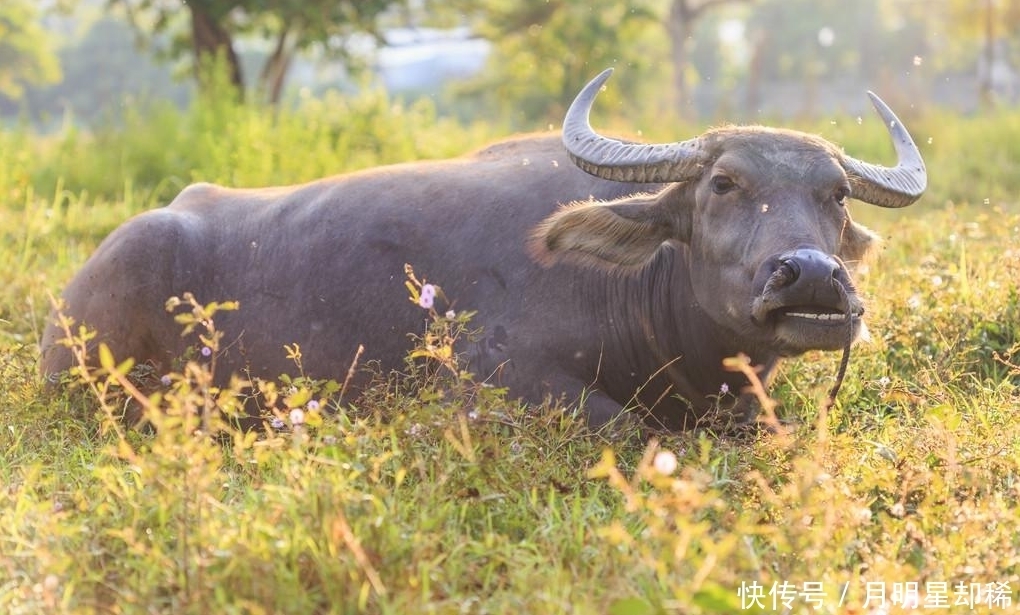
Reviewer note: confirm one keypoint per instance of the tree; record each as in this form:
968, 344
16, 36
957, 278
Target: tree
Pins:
213, 27
96, 96
27, 56
995, 23
680, 23
545, 51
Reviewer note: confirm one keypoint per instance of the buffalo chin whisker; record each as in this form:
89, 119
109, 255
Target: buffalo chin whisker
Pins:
845, 359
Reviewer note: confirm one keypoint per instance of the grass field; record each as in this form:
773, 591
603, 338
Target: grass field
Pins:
903, 498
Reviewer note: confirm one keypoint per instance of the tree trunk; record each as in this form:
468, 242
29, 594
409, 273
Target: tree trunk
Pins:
683, 15
213, 43
274, 87
987, 85
752, 102
274, 71
679, 26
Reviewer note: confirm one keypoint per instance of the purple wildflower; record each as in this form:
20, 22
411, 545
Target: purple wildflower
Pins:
206, 351
428, 296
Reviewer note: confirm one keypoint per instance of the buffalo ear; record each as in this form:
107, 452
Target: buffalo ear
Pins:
624, 233
857, 245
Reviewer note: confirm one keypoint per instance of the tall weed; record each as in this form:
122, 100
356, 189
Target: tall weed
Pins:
447, 497
156, 150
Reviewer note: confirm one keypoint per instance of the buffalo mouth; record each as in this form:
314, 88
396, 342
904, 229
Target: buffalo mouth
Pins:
806, 301
801, 328
813, 315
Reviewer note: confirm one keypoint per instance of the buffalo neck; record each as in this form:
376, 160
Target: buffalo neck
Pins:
658, 339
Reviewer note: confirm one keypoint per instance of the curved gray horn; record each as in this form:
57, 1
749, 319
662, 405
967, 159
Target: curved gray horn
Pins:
898, 186
616, 160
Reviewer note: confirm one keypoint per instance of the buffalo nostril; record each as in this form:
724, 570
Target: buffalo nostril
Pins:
787, 272
812, 264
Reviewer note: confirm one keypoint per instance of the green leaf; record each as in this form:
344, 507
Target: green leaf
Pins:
106, 358
298, 399
631, 606
715, 598
605, 466
126, 365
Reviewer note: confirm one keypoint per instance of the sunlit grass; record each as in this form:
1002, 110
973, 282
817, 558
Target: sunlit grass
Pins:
452, 499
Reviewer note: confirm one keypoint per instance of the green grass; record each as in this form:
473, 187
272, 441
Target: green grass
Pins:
454, 500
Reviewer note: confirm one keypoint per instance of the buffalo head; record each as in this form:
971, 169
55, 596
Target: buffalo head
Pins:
761, 214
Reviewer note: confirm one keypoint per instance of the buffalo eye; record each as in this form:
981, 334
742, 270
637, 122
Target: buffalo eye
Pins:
722, 184
841, 194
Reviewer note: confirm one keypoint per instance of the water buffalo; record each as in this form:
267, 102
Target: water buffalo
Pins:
616, 273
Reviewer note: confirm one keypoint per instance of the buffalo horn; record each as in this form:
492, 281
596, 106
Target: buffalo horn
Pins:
611, 159
897, 186
620, 161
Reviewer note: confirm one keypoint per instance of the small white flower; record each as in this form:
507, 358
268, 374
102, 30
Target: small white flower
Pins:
864, 515
473, 414
165, 380
724, 389
297, 416
277, 423
426, 301
450, 314
51, 583
312, 405
665, 463
897, 510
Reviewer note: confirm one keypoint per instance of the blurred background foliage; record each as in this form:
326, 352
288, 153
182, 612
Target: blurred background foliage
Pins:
116, 97
520, 61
